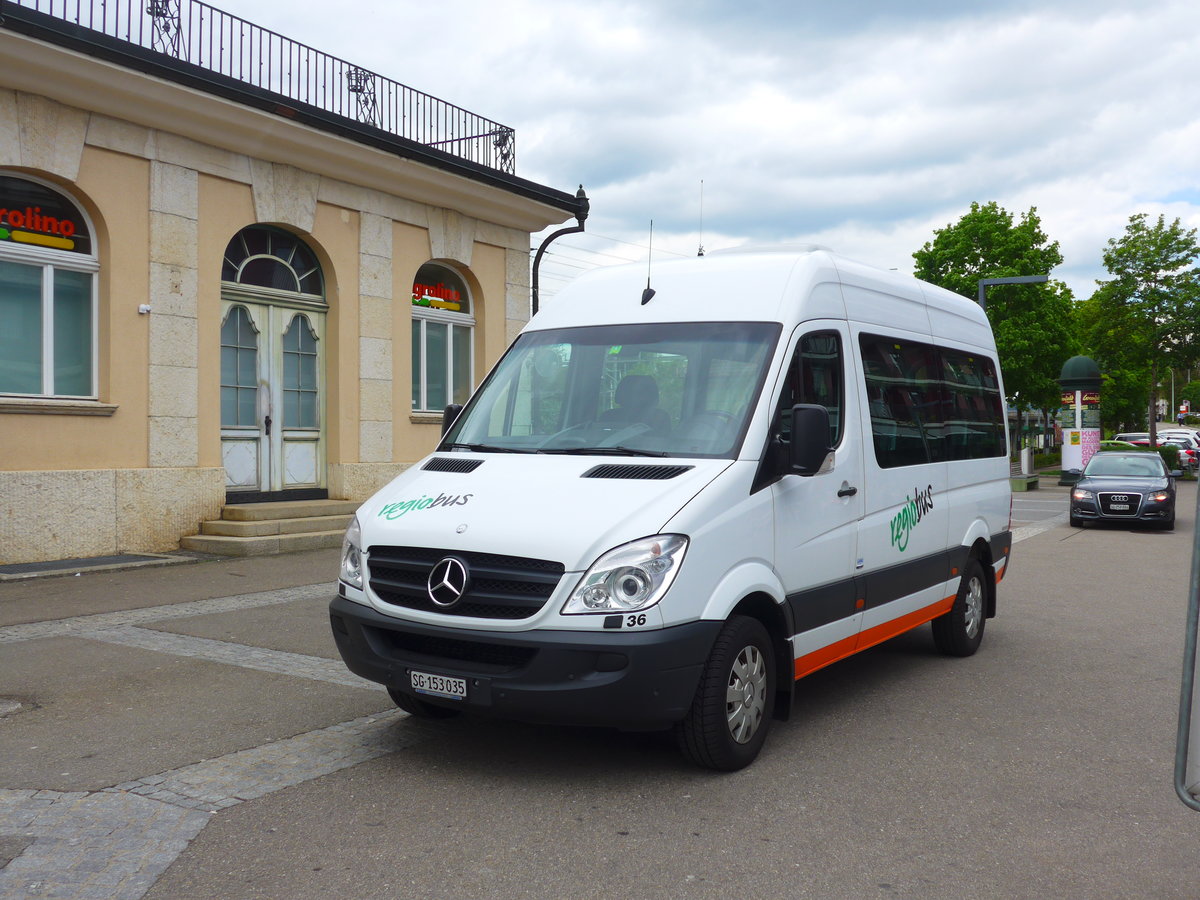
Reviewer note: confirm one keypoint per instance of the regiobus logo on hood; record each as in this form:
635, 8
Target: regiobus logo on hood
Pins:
910, 516
392, 511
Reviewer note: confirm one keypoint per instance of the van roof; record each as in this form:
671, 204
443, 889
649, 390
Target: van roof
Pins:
762, 285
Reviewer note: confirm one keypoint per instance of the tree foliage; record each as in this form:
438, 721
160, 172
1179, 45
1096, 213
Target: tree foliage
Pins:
1032, 323
1143, 320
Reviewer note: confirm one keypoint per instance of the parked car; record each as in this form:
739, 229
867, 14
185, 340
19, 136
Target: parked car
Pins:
1133, 437
1181, 434
1118, 445
1125, 487
1188, 459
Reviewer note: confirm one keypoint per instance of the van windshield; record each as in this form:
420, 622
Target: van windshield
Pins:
673, 389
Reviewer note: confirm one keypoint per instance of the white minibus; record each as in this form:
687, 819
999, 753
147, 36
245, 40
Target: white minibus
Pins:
667, 503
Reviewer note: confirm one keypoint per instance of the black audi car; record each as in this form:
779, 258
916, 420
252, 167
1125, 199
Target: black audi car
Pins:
1125, 487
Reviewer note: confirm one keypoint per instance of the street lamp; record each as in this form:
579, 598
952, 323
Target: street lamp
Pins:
985, 283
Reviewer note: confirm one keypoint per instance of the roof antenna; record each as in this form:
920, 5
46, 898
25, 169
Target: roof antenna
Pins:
649, 291
700, 252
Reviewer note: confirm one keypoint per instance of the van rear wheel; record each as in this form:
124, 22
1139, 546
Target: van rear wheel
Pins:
960, 631
731, 712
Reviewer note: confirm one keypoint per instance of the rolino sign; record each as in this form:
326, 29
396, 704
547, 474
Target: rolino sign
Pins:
35, 215
436, 295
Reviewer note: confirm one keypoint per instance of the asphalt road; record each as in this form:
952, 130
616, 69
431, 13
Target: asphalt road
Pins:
171, 743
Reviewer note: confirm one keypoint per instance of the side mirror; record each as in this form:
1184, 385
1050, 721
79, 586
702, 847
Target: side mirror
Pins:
810, 438
449, 414
1176, 473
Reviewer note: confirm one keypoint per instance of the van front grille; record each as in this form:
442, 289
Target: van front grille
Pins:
422, 649
498, 587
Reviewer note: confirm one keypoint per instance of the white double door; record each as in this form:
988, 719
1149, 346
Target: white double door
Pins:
272, 397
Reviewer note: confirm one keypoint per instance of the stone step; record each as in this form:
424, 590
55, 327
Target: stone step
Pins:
288, 509
264, 545
264, 527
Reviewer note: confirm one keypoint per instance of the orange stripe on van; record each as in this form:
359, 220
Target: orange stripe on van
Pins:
826, 656
881, 633
839, 650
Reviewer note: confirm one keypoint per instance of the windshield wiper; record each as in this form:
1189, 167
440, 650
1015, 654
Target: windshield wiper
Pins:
603, 451
483, 448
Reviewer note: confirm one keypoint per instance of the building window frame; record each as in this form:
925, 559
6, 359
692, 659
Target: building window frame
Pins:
447, 336
50, 264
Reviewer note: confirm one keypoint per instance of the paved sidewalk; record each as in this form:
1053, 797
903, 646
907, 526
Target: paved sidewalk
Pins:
136, 703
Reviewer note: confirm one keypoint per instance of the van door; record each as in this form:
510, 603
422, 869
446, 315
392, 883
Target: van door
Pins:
817, 516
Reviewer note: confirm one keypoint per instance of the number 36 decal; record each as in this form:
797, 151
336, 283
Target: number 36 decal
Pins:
633, 621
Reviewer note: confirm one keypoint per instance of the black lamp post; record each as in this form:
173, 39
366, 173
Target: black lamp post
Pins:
581, 214
985, 283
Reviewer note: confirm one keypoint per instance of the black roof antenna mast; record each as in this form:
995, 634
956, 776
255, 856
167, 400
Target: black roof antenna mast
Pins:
648, 293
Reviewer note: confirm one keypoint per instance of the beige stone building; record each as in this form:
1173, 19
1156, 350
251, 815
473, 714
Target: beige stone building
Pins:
214, 292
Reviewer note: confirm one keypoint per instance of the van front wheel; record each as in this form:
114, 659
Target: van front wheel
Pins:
731, 712
960, 631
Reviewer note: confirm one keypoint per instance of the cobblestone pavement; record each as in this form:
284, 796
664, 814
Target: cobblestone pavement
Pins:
113, 844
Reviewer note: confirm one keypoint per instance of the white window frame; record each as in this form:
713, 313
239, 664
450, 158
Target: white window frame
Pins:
424, 315
48, 261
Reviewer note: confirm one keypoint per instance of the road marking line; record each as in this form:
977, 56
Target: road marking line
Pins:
76, 624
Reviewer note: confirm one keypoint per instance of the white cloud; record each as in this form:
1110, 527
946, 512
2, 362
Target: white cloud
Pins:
863, 124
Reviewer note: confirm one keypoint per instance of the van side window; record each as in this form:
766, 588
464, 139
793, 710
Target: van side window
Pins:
815, 376
928, 404
974, 409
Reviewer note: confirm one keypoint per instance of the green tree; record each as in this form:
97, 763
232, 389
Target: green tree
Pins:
1145, 317
1032, 323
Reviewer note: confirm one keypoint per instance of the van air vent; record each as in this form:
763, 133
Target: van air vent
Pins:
643, 473
445, 464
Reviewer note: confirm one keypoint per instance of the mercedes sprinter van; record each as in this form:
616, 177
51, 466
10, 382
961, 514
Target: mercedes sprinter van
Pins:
666, 504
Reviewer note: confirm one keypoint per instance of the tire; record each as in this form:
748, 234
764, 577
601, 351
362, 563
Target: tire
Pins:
731, 712
960, 631
419, 709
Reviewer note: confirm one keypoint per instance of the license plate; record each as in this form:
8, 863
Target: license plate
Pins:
438, 685
1118, 506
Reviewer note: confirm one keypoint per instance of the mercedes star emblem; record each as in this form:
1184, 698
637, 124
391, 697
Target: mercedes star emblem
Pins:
448, 582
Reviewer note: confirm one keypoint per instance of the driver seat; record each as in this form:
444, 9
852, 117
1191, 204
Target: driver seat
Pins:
637, 401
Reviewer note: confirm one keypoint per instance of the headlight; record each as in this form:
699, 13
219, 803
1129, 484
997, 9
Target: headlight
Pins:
1160, 496
1077, 494
351, 571
630, 577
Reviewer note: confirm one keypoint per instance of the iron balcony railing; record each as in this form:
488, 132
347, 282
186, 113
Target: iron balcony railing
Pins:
201, 35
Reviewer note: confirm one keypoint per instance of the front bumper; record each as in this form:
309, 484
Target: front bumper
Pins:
636, 680
1148, 511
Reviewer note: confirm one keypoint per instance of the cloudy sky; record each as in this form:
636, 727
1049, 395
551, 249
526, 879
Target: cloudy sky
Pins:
859, 124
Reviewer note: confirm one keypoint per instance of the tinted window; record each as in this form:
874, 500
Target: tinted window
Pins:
815, 376
928, 404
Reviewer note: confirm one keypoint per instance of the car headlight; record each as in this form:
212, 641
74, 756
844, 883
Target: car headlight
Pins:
630, 577
1160, 496
1077, 494
351, 570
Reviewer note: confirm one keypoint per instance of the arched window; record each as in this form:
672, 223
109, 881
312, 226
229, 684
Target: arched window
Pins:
443, 328
47, 293
268, 257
